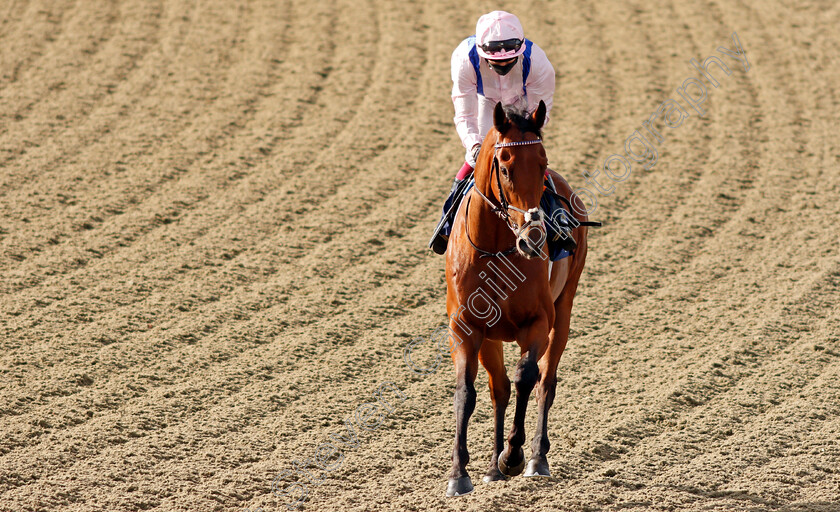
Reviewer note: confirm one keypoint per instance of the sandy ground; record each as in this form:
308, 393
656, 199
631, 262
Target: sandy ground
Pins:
212, 249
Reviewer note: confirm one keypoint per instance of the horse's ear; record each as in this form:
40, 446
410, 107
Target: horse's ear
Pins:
499, 118
539, 115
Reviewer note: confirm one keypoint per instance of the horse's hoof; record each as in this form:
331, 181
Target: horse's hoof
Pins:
537, 466
493, 475
459, 486
508, 465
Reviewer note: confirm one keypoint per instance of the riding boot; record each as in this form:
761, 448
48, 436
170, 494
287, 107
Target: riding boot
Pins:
440, 238
559, 228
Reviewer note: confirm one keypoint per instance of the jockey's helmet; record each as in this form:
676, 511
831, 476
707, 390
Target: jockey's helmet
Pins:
499, 38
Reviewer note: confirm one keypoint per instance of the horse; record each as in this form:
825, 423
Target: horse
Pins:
495, 268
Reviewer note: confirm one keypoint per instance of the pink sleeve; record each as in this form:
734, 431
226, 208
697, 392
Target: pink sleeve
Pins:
465, 97
540, 81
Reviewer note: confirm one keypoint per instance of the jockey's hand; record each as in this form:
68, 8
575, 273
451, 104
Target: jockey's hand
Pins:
474, 153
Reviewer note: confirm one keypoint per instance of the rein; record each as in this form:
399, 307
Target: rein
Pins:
482, 252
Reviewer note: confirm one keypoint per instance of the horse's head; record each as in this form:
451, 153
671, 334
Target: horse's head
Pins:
515, 162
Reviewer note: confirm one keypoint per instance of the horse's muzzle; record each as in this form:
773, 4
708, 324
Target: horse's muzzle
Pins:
527, 249
531, 236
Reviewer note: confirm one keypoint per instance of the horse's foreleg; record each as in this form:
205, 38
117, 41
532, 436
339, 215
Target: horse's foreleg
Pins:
512, 460
465, 358
492, 357
538, 463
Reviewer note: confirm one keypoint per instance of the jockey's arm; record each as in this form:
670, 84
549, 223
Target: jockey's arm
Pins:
465, 101
540, 83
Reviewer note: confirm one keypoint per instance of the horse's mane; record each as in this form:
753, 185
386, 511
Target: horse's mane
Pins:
521, 119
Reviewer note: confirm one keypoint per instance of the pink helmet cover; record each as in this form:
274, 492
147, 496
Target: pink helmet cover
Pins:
498, 26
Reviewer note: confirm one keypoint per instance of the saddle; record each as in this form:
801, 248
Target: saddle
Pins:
558, 220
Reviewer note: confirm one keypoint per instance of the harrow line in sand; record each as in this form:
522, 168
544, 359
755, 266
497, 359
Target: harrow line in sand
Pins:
276, 277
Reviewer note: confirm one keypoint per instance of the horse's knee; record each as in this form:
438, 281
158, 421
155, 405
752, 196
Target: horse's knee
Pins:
527, 373
500, 391
546, 390
548, 385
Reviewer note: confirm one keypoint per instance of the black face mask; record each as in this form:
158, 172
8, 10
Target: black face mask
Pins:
502, 70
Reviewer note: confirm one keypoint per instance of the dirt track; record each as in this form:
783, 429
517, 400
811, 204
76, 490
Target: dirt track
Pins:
212, 250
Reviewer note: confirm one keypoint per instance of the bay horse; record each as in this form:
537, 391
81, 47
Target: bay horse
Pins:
495, 269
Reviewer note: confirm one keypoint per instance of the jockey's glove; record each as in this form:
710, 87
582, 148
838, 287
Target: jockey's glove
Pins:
474, 154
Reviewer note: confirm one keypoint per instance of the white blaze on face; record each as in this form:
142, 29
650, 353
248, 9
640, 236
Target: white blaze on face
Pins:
533, 225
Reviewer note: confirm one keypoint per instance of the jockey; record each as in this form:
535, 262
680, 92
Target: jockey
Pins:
497, 64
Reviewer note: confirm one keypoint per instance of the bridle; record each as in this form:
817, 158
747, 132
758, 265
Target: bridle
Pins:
502, 207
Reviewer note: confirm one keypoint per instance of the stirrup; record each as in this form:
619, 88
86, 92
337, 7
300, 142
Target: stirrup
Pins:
553, 202
438, 243
568, 243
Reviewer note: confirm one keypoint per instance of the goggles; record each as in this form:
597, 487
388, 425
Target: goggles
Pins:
502, 47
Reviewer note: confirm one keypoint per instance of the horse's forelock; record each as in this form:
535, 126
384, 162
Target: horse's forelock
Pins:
520, 118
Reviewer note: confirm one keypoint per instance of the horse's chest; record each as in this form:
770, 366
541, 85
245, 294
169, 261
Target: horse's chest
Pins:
500, 298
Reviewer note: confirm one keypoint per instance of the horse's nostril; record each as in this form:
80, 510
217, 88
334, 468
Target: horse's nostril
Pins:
526, 249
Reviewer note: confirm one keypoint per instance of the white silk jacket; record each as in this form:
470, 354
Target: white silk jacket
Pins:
476, 89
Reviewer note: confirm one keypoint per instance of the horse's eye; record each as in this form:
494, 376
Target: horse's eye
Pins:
504, 171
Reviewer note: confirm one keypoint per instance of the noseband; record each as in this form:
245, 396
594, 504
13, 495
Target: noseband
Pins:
533, 216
